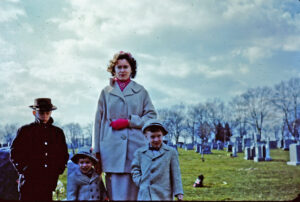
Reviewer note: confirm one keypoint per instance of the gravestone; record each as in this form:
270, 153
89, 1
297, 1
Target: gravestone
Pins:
8, 177
246, 142
247, 153
197, 148
220, 145
286, 144
267, 150
229, 148
189, 147
280, 143
180, 144
252, 152
294, 155
259, 153
273, 145
234, 150
215, 145
239, 147
173, 146
206, 149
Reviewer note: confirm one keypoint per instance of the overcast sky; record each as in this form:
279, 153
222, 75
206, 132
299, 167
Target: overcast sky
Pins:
187, 50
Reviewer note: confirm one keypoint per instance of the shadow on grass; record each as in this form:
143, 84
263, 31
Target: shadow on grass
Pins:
279, 160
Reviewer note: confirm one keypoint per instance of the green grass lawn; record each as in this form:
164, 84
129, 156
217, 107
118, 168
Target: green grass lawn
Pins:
227, 178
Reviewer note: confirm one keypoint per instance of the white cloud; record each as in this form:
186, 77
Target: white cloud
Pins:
255, 53
9, 12
189, 51
292, 43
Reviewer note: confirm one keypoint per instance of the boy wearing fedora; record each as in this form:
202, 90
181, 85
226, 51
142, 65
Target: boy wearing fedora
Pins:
155, 168
39, 153
84, 183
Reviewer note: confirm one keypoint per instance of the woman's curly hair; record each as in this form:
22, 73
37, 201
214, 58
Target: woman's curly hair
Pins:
119, 56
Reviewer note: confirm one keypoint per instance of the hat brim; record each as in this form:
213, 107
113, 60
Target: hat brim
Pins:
43, 108
76, 158
164, 131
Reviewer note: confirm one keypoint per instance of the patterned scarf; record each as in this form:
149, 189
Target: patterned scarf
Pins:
123, 84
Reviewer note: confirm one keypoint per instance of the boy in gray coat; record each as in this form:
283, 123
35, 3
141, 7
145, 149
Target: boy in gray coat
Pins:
155, 168
84, 183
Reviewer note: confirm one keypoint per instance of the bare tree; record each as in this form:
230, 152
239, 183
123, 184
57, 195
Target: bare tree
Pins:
214, 113
257, 103
73, 134
237, 116
9, 132
88, 132
173, 119
287, 99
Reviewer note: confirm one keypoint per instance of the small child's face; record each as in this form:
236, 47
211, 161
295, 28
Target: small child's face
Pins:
154, 138
85, 165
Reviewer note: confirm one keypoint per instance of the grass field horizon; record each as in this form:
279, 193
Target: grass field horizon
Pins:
228, 178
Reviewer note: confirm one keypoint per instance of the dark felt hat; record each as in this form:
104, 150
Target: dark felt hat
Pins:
83, 153
152, 123
43, 104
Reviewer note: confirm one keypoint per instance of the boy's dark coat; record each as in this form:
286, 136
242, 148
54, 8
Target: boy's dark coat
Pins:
39, 154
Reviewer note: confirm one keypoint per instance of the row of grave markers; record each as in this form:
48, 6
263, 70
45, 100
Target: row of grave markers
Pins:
256, 151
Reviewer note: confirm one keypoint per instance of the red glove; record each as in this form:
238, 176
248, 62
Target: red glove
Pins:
119, 124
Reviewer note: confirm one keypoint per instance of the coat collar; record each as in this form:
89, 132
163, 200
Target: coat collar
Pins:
84, 178
149, 153
50, 122
130, 89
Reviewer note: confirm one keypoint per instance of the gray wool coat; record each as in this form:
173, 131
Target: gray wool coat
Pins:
81, 187
157, 176
117, 147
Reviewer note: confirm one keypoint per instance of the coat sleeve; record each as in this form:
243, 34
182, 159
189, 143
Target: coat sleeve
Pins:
175, 174
64, 154
148, 112
97, 124
19, 150
72, 188
136, 172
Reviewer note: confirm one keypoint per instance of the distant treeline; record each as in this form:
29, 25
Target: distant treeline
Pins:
268, 111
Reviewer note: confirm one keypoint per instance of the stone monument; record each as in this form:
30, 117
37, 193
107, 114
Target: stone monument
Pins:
294, 155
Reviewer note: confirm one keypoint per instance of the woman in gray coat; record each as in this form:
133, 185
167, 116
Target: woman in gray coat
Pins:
122, 109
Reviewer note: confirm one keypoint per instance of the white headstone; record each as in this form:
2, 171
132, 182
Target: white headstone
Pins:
294, 155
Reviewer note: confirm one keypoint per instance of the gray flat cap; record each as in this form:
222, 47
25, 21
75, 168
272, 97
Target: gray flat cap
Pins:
154, 122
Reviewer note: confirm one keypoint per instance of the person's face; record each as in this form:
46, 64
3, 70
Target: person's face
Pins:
85, 165
123, 70
44, 116
155, 138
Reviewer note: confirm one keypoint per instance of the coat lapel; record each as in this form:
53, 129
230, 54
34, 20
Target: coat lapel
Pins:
162, 151
115, 89
82, 177
131, 88
94, 176
147, 152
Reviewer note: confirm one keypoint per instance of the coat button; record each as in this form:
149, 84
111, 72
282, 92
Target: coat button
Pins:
46, 154
46, 143
46, 165
152, 171
151, 182
123, 137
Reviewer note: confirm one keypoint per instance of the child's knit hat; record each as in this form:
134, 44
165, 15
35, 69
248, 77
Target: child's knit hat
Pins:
84, 152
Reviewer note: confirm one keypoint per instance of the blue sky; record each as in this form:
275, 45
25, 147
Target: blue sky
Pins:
187, 51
